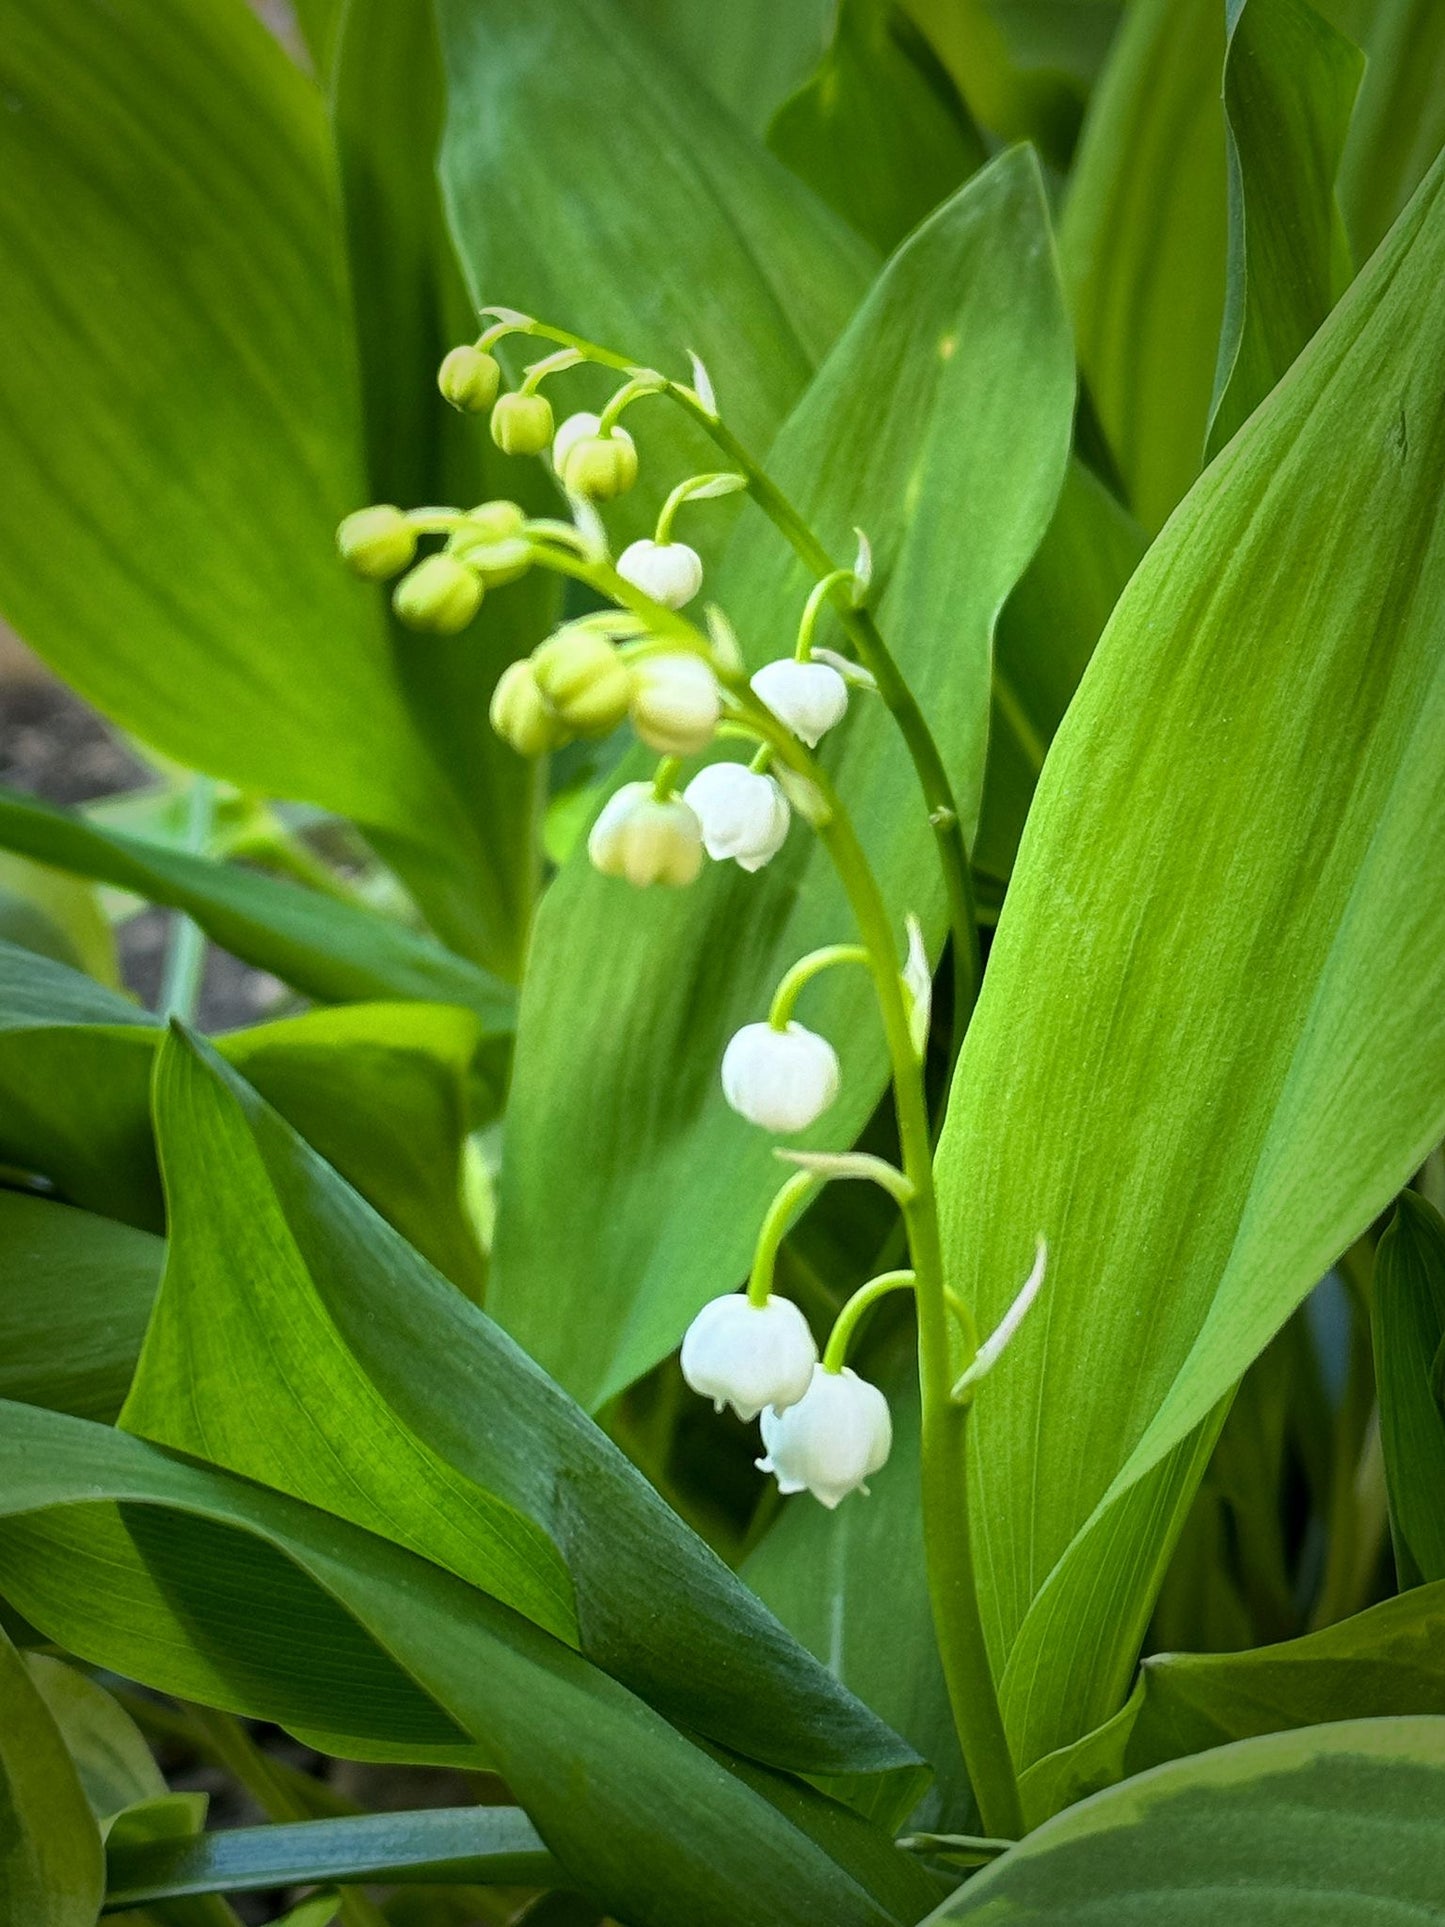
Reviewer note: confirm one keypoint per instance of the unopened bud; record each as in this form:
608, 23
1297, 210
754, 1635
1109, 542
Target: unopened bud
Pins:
580, 673
645, 839
670, 572
469, 378
676, 704
439, 596
376, 542
521, 714
522, 424
592, 464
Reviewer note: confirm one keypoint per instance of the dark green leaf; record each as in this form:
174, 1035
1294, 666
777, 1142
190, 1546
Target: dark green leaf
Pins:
632, 1193
51, 1866
878, 132
1409, 1329
1399, 124
751, 53
333, 951
1206, 1054
1337, 1825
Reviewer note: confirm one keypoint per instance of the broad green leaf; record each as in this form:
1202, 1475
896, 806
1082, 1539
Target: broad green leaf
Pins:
1206, 1053
320, 22
1289, 85
727, 255
1399, 124
1408, 1310
1384, 1662
334, 951
178, 396
115, 1766
632, 1193
410, 308
165, 1820
196, 1571
379, 1089
51, 1866
852, 1585
75, 1294
1338, 1827
751, 53
1013, 76
494, 1845
433, 1428
58, 916
878, 131
1143, 241
1046, 634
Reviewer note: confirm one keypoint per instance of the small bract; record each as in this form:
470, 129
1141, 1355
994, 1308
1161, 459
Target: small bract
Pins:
670, 572
646, 839
783, 1080
809, 697
837, 1435
676, 704
748, 1356
744, 814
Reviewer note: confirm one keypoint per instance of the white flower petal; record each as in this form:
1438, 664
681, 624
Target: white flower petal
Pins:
831, 1440
808, 697
669, 572
645, 840
782, 1080
749, 1356
744, 814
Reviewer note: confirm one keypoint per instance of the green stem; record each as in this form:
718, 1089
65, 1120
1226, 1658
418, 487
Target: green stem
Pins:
804, 971
186, 950
774, 1228
857, 1307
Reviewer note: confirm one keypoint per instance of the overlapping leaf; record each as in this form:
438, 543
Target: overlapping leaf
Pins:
51, 1868
632, 1193
1408, 1315
1209, 1048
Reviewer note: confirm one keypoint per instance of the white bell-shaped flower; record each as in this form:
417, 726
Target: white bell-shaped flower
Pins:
576, 428
748, 1356
645, 839
809, 697
744, 814
835, 1437
670, 572
676, 703
783, 1080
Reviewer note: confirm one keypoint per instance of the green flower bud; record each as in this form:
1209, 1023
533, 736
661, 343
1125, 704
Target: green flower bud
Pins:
522, 424
497, 520
439, 596
470, 378
521, 714
376, 542
600, 467
495, 562
580, 673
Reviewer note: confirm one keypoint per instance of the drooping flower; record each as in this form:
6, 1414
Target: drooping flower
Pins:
469, 378
744, 814
591, 463
748, 1356
669, 572
522, 424
376, 542
646, 839
521, 714
835, 1437
580, 673
676, 703
783, 1080
809, 697
439, 596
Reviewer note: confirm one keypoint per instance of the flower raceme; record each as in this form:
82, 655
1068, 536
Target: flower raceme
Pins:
749, 1356
780, 1079
833, 1438
744, 814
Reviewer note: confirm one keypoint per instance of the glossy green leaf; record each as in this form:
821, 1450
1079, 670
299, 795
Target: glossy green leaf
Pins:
1408, 1309
1289, 86
751, 53
410, 308
75, 1294
852, 1585
1206, 1053
114, 1764
729, 255
497, 1846
1380, 1663
1338, 1827
1399, 124
331, 950
194, 1571
1143, 241
51, 1865
632, 1193
878, 131
380, 1089
178, 388
534, 1504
